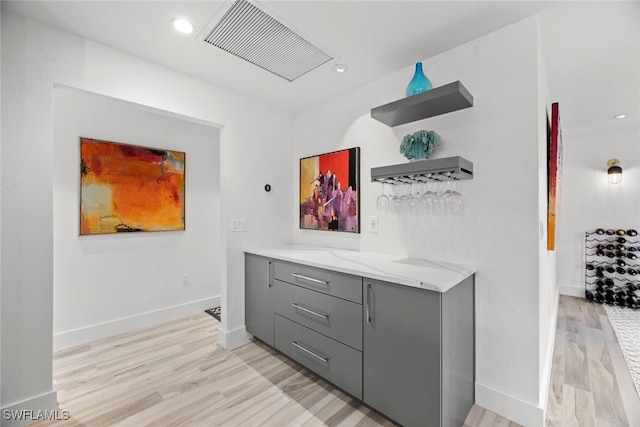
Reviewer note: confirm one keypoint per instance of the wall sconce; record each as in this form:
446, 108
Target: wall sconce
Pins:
614, 174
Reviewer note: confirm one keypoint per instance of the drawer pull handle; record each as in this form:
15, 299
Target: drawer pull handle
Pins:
310, 279
306, 350
306, 310
368, 303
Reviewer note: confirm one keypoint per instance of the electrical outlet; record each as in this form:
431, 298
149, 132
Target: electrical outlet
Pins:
185, 279
239, 225
373, 224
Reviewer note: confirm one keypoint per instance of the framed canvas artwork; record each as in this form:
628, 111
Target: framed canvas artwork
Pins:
129, 188
554, 175
330, 191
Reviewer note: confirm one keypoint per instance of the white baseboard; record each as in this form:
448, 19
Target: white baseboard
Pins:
572, 291
519, 411
43, 406
102, 330
548, 362
233, 338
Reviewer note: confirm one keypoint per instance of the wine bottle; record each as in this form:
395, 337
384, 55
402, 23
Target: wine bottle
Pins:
631, 255
621, 262
620, 232
632, 232
621, 240
610, 232
600, 231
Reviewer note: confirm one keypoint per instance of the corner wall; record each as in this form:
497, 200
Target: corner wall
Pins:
500, 229
107, 284
588, 200
34, 59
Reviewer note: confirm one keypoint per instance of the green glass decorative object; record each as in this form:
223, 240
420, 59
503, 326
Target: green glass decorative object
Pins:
419, 145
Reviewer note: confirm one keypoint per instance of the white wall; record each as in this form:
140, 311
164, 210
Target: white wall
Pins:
1, 83
105, 284
499, 232
254, 140
549, 290
588, 200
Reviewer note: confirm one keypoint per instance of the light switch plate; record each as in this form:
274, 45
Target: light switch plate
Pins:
239, 225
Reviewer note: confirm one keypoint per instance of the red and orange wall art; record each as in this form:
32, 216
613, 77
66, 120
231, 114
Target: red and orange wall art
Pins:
554, 175
329, 191
126, 188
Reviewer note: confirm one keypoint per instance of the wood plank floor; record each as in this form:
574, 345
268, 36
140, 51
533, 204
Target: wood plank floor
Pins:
175, 374
590, 383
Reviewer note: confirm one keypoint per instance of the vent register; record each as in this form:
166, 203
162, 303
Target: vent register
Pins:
251, 34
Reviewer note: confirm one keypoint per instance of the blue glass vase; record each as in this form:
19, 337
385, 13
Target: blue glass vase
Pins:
419, 83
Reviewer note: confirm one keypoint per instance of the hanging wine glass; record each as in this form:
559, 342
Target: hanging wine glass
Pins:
382, 202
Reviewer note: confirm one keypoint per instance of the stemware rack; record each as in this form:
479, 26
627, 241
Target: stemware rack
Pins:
612, 267
444, 169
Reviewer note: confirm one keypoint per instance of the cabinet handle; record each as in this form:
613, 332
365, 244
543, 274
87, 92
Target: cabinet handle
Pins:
368, 303
306, 310
311, 279
306, 350
269, 275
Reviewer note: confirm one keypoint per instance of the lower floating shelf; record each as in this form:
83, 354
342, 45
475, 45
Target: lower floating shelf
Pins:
445, 169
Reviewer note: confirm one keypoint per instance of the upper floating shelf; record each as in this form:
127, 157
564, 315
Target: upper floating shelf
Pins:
440, 100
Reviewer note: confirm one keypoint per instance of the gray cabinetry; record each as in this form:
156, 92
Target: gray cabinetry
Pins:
405, 351
329, 282
418, 363
334, 317
332, 360
258, 275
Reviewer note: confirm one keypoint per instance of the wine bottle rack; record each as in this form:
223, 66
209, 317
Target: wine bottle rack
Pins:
612, 267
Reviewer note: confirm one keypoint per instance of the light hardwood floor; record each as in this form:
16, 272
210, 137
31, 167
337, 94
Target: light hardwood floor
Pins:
590, 383
176, 374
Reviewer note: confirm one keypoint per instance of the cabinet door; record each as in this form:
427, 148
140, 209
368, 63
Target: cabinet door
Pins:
258, 307
402, 366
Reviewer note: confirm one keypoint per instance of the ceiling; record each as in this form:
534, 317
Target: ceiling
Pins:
592, 49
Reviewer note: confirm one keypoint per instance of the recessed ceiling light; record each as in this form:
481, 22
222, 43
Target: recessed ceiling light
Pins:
620, 116
340, 68
182, 25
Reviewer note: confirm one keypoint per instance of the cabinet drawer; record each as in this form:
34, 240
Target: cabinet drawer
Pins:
329, 282
334, 361
335, 317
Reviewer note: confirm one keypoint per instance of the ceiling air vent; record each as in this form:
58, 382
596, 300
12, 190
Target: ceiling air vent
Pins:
249, 33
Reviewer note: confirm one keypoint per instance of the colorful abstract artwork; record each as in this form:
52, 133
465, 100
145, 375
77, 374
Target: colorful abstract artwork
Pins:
329, 191
128, 188
554, 174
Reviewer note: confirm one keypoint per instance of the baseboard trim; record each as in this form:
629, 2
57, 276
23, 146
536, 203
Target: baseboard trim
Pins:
548, 362
571, 291
42, 406
519, 411
106, 329
234, 337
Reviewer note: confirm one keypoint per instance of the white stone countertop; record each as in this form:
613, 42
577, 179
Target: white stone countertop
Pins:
419, 273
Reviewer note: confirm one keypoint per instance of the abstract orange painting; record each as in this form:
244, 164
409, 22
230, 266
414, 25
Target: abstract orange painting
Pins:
129, 188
